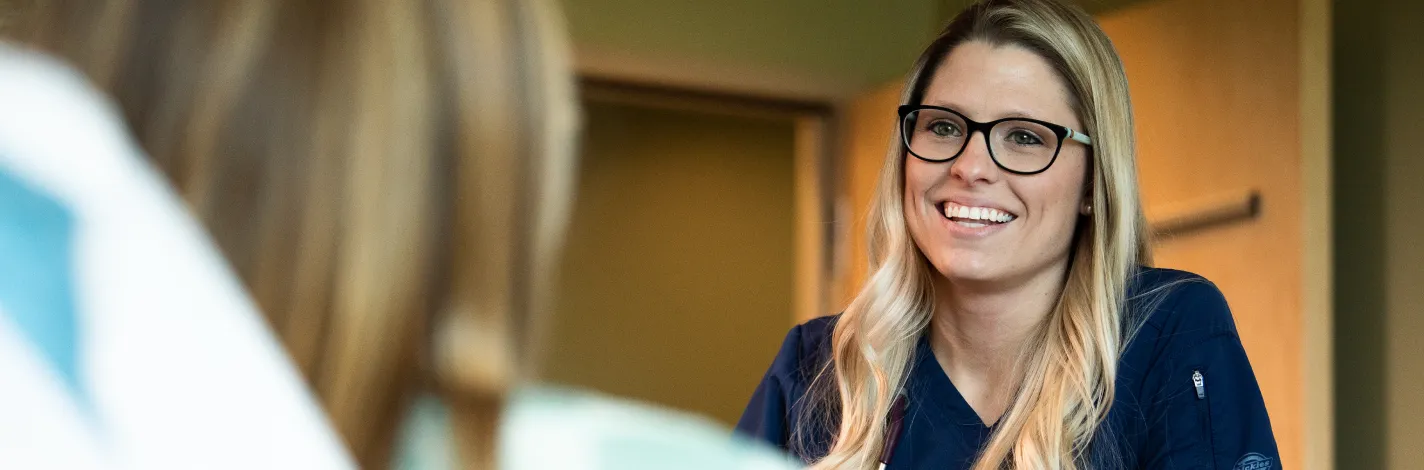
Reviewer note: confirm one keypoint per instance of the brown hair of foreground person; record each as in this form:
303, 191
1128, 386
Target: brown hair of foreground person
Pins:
389, 178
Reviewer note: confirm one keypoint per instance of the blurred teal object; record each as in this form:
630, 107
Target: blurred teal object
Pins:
37, 275
557, 428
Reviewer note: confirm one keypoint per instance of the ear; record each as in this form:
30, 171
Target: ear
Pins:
1086, 207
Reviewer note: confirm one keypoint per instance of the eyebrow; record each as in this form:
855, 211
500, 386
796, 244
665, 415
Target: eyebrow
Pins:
1012, 113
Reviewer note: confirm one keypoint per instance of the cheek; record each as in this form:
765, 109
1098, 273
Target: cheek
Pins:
920, 177
1058, 196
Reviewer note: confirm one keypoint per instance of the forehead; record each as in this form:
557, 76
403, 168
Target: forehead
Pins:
987, 82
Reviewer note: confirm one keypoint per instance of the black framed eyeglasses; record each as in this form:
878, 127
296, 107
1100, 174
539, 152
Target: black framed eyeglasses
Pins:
1018, 145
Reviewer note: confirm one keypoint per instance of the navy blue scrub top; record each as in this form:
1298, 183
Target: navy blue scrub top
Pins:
1185, 398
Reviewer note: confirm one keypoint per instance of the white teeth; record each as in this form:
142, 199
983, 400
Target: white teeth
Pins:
976, 213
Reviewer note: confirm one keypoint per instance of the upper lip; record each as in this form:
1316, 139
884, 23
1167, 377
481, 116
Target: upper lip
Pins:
973, 202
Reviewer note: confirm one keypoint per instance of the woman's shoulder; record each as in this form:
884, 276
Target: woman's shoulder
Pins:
806, 347
1177, 304
814, 336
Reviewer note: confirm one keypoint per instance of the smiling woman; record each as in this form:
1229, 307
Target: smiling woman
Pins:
1008, 318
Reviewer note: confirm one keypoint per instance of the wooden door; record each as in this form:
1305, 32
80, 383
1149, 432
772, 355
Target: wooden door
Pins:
869, 122
677, 277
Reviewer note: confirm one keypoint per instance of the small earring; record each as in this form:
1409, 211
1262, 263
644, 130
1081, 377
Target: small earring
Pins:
1087, 209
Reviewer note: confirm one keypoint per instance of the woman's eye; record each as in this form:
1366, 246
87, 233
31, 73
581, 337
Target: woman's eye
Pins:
944, 129
1022, 137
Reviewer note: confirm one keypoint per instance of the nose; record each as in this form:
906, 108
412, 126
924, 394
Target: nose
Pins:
974, 164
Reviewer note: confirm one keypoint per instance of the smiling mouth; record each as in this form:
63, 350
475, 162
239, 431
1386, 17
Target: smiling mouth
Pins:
974, 217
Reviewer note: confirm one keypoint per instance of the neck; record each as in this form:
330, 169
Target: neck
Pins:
978, 329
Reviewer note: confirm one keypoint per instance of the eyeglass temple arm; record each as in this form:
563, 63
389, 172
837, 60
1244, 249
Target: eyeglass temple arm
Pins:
1079, 136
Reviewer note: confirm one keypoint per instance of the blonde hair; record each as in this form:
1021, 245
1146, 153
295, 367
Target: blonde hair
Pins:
1070, 362
389, 178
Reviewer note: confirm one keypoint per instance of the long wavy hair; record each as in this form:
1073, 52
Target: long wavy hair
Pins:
1070, 361
389, 178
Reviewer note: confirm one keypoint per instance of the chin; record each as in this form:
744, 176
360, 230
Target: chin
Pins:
971, 267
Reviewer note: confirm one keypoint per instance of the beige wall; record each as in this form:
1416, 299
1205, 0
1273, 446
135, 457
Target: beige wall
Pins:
678, 276
842, 44
1379, 229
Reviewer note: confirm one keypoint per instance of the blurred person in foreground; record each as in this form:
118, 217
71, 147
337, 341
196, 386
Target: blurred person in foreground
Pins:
124, 340
390, 180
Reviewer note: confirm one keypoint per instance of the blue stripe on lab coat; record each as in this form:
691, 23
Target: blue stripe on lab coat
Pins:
37, 275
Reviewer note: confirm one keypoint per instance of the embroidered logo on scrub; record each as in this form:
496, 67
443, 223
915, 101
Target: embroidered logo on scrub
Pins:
1253, 461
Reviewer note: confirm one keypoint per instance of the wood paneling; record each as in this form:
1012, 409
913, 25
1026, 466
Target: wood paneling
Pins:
869, 123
